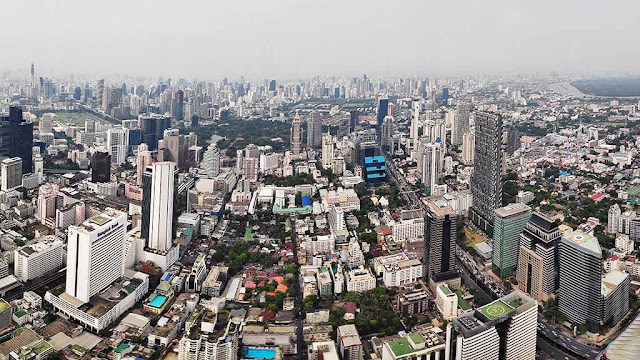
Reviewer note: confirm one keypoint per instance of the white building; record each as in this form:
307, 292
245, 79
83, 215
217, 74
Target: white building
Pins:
397, 269
410, 226
40, 258
95, 256
468, 148
613, 218
162, 203
524, 197
360, 280
327, 151
11, 173
624, 245
117, 144
446, 302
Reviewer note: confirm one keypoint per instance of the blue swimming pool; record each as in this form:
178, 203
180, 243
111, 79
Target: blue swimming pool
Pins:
158, 301
258, 353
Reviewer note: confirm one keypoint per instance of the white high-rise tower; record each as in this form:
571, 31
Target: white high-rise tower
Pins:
162, 205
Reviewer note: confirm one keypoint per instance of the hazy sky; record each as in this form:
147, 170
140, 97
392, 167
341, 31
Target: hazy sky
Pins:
288, 39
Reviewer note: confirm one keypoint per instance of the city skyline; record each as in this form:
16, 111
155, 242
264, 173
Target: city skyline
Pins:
289, 40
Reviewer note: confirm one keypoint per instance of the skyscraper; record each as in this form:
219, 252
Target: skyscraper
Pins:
145, 158
382, 110
327, 151
101, 166
387, 131
468, 148
11, 173
538, 260
354, 116
439, 242
16, 138
429, 163
486, 181
152, 128
513, 140
95, 255
159, 205
461, 123
296, 136
415, 123
580, 278
314, 131
118, 144
211, 161
509, 222
177, 105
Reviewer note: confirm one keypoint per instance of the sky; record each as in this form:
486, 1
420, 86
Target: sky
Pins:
291, 39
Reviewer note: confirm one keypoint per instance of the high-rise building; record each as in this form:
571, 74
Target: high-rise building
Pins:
486, 180
513, 140
509, 222
117, 144
504, 329
152, 128
174, 147
101, 166
211, 161
387, 131
538, 259
354, 117
327, 151
314, 131
296, 136
382, 110
95, 256
16, 138
430, 163
177, 105
439, 241
461, 123
204, 341
613, 219
580, 278
145, 158
11, 173
468, 148
159, 205
415, 123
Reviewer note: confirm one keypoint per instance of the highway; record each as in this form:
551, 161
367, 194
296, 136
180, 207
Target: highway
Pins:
302, 353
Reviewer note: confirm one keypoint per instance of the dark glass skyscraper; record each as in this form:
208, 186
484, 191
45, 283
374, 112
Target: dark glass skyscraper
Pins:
486, 181
178, 106
439, 241
152, 128
16, 138
383, 109
101, 167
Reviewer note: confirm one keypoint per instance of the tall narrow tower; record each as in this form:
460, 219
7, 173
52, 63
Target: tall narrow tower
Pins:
296, 138
415, 123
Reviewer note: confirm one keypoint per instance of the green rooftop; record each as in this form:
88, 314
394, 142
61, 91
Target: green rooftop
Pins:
401, 347
42, 347
515, 303
634, 191
20, 313
3, 305
121, 347
99, 220
445, 290
495, 309
416, 338
462, 303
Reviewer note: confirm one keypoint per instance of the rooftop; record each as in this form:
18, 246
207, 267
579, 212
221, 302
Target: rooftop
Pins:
512, 210
584, 241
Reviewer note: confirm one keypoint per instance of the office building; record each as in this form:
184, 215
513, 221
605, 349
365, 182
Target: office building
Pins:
174, 147
314, 131
159, 205
11, 173
504, 329
387, 131
537, 273
38, 259
145, 158
397, 269
439, 242
16, 138
509, 222
375, 170
101, 166
382, 110
414, 302
118, 144
354, 117
486, 180
177, 105
580, 278
409, 227
95, 256
152, 128
296, 135
349, 344
360, 280
513, 140
446, 302
614, 303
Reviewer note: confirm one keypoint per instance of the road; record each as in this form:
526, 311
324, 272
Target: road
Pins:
302, 353
488, 289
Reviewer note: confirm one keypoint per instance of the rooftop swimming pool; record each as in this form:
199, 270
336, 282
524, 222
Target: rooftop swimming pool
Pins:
158, 301
249, 353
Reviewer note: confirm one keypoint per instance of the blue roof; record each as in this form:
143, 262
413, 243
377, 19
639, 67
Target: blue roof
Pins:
564, 173
372, 159
306, 201
375, 175
376, 168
